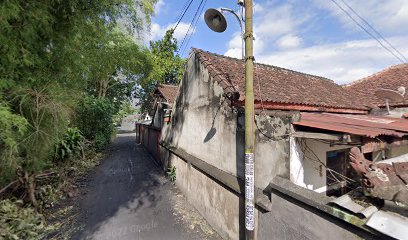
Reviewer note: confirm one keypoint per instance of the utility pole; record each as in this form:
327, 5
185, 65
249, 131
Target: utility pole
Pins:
249, 124
216, 22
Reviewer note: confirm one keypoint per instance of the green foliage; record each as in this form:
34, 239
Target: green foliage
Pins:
17, 222
94, 119
70, 145
12, 129
168, 68
115, 63
55, 53
171, 173
125, 110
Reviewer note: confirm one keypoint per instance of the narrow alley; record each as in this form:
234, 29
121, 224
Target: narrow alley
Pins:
128, 197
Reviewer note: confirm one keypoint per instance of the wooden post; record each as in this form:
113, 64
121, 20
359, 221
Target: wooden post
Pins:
249, 124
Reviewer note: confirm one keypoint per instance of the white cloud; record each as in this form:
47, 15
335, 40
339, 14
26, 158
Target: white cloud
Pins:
159, 6
390, 16
343, 62
157, 31
289, 41
286, 37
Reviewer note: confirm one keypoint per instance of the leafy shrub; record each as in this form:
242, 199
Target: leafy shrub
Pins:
94, 119
70, 145
12, 129
17, 222
171, 173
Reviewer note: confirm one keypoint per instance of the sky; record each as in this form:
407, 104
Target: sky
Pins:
310, 36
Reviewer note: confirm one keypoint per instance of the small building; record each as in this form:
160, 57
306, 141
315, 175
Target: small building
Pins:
205, 142
391, 78
321, 143
148, 132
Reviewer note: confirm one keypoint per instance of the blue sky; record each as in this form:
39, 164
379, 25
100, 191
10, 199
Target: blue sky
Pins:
311, 36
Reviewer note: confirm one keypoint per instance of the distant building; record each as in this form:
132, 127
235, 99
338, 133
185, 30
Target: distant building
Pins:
148, 132
390, 78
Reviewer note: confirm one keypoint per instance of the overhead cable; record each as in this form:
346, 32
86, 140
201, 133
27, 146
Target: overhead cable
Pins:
183, 12
191, 25
194, 26
368, 32
374, 30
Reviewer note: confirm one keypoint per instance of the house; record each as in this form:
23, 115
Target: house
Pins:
391, 78
205, 142
322, 141
148, 132
165, 95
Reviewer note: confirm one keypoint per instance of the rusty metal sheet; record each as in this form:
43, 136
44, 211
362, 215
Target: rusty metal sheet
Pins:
401, 169
363, 125
356, 130
361, 120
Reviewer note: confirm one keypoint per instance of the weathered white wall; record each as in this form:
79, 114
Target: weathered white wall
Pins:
206, 126
297, 171
314, 171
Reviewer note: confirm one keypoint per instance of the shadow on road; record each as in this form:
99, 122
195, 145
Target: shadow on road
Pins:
127, 197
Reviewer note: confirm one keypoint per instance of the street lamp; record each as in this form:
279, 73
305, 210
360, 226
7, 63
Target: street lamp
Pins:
216, 21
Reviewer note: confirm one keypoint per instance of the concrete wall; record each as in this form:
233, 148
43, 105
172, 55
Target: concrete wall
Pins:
222, 208
150, 138
205, 125
396, 151
291, 218
394, 112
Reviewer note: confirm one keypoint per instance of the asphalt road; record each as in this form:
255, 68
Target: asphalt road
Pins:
128, 197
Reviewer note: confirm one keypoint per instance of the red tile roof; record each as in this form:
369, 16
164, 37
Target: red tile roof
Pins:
363, 125
279, 86
391, 78
169, 92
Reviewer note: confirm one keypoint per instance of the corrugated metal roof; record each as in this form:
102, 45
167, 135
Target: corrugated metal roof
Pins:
363, 125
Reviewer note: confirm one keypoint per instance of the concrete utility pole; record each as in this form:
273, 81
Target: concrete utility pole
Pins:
249, 124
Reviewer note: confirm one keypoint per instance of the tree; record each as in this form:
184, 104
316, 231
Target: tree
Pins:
115, 64
52, 53
168, 68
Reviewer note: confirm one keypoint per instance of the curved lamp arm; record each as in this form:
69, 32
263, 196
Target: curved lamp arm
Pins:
240, 25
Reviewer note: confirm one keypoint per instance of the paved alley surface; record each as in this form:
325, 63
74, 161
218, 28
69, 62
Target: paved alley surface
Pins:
128, 197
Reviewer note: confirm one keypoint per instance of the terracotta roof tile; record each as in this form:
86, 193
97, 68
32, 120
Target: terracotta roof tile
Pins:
169, 92
391, 78
278, 85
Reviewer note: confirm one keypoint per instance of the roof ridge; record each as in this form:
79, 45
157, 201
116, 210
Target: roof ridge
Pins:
197, 50
396, 66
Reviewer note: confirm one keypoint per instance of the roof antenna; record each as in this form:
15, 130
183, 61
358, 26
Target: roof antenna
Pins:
390, 96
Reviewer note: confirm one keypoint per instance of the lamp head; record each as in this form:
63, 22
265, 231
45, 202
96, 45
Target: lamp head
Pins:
215, 20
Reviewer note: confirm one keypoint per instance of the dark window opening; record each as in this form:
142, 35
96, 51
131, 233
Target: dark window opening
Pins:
340, 176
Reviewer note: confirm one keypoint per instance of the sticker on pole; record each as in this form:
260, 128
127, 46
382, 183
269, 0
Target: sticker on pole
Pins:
249, 176
249, 187
249, 216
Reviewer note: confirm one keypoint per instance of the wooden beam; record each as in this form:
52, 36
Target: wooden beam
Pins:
323, 136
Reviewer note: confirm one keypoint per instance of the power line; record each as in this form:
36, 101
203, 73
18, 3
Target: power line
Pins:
365, 30
372, 28
194, 26
183, 12
191, 25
